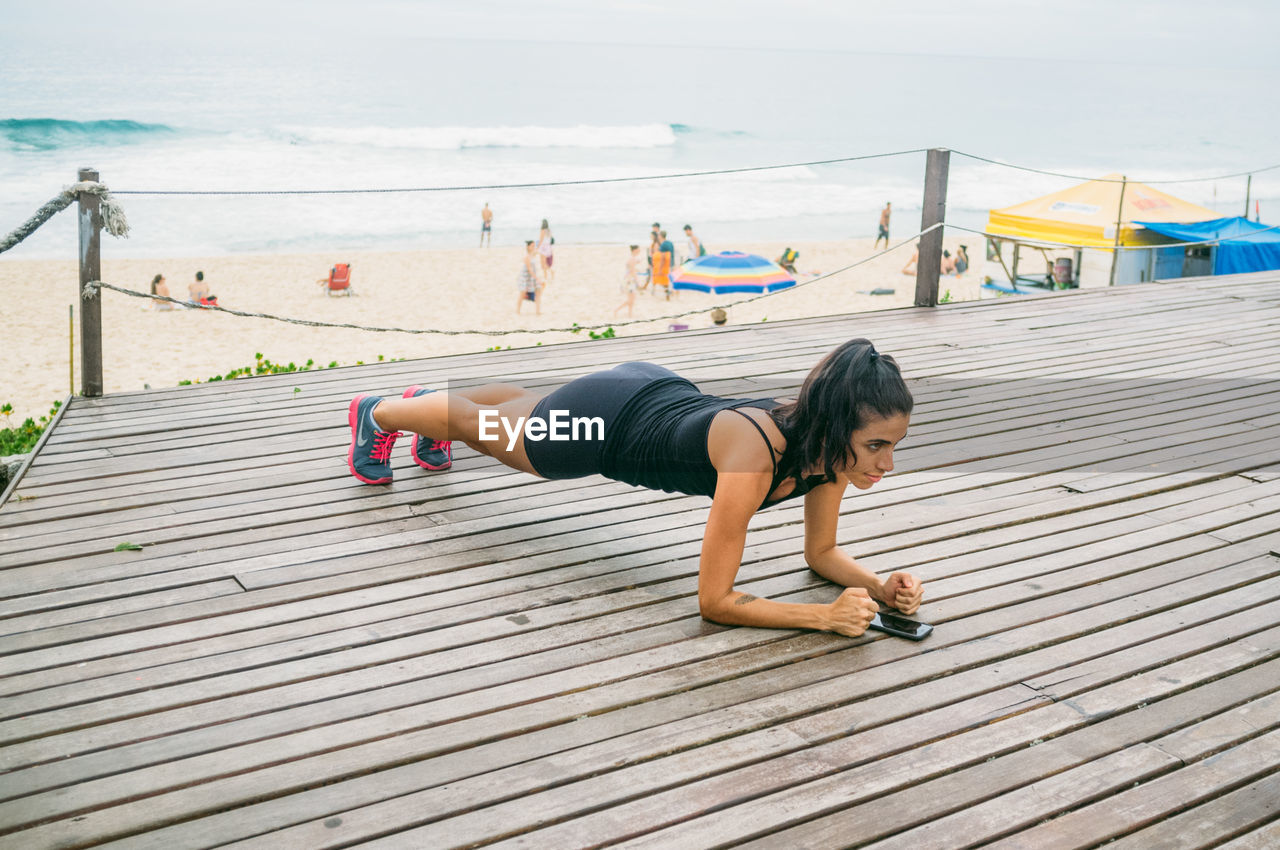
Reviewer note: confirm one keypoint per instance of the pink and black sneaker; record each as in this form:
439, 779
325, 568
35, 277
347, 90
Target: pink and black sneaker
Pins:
427, 453
369, 457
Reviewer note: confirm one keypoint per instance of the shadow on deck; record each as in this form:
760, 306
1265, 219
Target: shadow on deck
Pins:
1090, 491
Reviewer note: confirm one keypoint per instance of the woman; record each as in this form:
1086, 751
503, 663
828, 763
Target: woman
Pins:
545, 243
655, 242
661, 273
159, 287
630, 282
656, 430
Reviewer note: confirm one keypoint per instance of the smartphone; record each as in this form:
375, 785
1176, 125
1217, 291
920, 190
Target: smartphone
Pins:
892, 624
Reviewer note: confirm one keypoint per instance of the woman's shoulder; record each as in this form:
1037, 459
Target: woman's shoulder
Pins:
735, 442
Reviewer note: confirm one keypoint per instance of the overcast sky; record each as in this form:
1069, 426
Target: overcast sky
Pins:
1179, 32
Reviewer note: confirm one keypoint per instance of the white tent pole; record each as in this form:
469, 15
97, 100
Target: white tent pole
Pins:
1115, 251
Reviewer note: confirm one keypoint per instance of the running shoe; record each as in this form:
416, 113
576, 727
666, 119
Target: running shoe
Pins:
429, 454
370, 455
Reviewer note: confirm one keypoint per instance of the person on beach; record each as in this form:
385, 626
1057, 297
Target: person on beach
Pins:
527, 283
630, 282
962, 260
694, 244
948, 263
198, 292
546, 252
486, 225
883, 232
160, 287
788, 260
910, 267
647, 426
669, 249
661, 275
654, 242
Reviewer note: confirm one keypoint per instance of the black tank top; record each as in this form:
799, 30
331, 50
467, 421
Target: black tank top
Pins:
659, 441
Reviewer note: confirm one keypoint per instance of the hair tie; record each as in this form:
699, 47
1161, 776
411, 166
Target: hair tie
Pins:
875, 355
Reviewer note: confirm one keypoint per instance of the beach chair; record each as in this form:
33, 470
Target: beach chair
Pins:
339, 282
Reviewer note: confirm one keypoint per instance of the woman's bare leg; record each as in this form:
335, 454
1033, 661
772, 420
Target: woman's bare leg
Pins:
456, 415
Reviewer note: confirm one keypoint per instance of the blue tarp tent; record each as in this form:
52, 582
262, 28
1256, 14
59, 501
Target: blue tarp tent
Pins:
1245, 247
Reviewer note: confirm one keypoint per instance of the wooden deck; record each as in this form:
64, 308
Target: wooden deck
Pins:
1090, 490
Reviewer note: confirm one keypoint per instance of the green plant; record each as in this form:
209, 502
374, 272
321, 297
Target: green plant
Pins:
946, 297
607, 333
263, 366
23, 438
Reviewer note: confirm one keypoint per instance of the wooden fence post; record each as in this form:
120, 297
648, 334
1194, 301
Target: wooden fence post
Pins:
90, 306
929, 261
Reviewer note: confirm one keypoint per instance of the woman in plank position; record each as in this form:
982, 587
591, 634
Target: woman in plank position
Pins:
642, 424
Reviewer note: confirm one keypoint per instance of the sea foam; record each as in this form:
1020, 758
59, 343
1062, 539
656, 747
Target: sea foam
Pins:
459, 138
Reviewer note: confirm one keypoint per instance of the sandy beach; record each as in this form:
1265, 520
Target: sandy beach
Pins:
444, 289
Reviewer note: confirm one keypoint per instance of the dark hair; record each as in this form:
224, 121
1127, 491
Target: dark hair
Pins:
851, 384
688, 227
155, 281
634, 247
528, 242
545, 226
655, 224
199, 275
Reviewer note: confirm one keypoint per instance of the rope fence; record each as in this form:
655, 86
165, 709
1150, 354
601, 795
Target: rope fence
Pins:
113, 217
99, 210
1030, 170
92, 288
585, 182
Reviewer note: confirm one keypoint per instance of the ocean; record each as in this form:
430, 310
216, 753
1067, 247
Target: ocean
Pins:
400, 113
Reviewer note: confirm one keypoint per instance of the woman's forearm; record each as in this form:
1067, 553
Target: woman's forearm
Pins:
839, 566
743, 609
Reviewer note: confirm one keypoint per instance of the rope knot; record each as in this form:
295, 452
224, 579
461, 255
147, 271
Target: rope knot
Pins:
113, 217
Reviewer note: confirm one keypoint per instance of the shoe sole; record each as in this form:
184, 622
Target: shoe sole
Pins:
409, 393
352, 411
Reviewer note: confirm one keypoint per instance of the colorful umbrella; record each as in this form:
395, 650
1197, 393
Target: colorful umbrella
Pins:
732, 271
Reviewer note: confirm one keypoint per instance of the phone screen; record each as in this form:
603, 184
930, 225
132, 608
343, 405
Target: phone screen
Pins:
902, 624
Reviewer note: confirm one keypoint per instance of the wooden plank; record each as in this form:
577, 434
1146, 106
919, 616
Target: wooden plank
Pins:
1207, 825
857, 814
119, 785
1263, 838
870, 764
1244, 763
471, 822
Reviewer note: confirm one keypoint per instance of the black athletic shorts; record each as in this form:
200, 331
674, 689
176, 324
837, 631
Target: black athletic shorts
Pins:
601, 394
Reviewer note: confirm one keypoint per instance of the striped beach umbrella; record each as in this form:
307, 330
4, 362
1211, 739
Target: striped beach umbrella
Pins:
732, 271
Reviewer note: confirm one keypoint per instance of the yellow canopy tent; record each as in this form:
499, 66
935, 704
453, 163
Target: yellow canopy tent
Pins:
1086, 214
